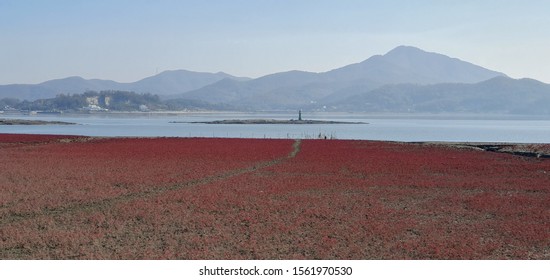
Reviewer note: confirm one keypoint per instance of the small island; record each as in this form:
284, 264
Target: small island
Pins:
31, 122
273, 121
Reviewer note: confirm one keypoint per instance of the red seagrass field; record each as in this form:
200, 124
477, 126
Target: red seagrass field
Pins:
69, 197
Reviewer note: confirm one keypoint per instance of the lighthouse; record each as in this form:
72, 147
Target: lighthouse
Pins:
299, 115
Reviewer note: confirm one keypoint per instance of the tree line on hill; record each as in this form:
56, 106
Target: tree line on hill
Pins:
103, 100
109, 100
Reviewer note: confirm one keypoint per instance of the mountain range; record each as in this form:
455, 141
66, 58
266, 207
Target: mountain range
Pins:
165, 83
406, 79
499, 95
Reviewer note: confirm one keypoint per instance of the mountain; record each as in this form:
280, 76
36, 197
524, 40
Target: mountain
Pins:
297, 89
499, 95
165, 83
77, 85
275, 89
52, 88
177, 81
406, 79
406, 64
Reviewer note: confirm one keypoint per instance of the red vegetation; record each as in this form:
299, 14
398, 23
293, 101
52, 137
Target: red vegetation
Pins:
56, 174
31, 138
170, 198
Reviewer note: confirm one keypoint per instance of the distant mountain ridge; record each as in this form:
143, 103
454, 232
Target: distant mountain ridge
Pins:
295, 89
405, 79
406, 64
165, 83
499, 95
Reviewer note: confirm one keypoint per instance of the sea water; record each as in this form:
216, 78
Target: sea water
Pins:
408, 128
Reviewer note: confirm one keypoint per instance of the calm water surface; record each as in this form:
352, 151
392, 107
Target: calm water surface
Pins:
379, 127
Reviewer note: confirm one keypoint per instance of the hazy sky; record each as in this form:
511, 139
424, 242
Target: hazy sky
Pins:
126, 40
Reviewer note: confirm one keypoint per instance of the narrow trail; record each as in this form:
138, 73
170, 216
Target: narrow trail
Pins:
295, 148
149, 193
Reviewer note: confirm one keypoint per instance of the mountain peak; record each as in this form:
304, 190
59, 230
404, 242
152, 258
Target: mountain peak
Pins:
407, 64
405, 50
437, 68
404, 53
71, 78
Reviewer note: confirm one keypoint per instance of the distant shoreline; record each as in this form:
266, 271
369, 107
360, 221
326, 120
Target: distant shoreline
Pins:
31, 122
271, 121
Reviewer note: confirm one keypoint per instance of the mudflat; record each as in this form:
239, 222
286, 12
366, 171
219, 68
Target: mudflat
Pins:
71, 197
31, 122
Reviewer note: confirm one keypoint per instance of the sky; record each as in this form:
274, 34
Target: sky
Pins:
127, 40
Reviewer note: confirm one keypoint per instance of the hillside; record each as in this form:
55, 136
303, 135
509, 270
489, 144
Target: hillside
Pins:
295, 89
500, 95
165, 83
111, 100
406, 64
